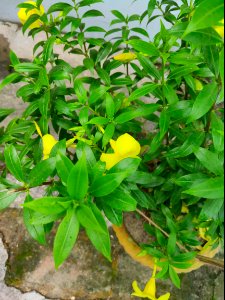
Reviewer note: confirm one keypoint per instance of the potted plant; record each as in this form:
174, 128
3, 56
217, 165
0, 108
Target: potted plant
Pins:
136, 128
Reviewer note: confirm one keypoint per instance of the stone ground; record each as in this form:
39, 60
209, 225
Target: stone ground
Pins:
26, 269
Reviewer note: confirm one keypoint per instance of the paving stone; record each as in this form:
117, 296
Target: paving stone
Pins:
86, 275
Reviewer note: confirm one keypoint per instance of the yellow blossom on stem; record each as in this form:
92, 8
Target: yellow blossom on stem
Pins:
150, 289
220, 29
48, 141
24, 14
125, 57
125, 147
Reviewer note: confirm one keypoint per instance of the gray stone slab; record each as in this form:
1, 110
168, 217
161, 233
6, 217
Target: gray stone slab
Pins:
86, 275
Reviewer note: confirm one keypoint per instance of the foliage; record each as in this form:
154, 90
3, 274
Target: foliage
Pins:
173, 81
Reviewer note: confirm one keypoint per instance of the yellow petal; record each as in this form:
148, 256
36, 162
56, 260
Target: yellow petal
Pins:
150, 288
127, 146
38, 129
48, 143
165, 297
113, 145
110, 159
137, 291
125, 57
23, 14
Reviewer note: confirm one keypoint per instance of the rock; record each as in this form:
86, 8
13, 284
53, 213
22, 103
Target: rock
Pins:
86, 274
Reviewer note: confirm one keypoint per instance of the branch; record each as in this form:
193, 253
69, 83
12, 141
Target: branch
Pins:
206, 260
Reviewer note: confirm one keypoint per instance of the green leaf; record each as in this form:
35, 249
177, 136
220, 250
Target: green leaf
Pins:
36, 231
6, 198
204, 102
48, 49
142, 91
9, 79
13, 58
97, 94
127, 166
170, 94
80, 91
164, 123
142, 111
208, 14
41, 172
212, 57
33, 18
4, 113
104, 52
211, 208
101, 240
13, 162
140, 31
98, 121
105, 185
174, 277
108, 135
184, 257
171, 246
144, 47
64, 166
212, 188
182, 71
146, 179
27, 67
39, 219
49, 205
66, 237
204, 37
60, 6
92, 13
149, 67
95, 29
83, 148
110, 106
118, 15
188, 147
120, 199
151, 7
88, 219
113, 215
217, 127
77, 184
104, 76
210, 160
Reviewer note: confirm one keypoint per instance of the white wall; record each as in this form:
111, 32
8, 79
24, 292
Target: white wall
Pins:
8, 10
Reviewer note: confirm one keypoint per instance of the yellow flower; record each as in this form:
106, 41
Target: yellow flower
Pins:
24, 14
150, 289
48, 141
125, 57
220, 29
125, 147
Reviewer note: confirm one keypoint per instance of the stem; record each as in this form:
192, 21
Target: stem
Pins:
151, 222
24, 189
211, 261
207, 260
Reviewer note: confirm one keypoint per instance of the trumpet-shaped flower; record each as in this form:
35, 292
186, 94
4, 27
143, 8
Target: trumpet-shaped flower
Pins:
125, 147
150, 289
220, 29
125, 57
25, 14
48, 142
